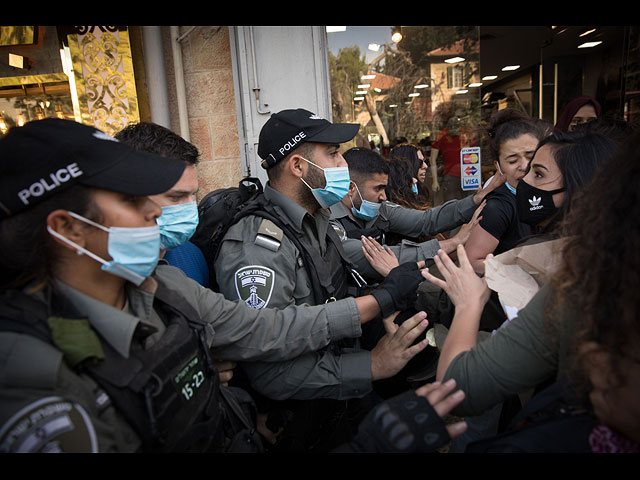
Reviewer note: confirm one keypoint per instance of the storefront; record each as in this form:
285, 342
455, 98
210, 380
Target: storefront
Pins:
432, 79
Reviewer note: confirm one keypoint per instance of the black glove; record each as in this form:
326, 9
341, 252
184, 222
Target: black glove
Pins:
398, 291
406, 423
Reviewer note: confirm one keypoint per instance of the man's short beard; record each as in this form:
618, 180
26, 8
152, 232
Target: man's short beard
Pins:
315, 179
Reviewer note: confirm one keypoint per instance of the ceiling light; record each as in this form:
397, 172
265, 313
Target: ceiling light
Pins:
589, 44
414, 94
460, 92
367, 77
422, 85
377, 90
489, 77
454, 60
17, 61
361, 92
358, 98
393, 106
374, 47
510, 67
475, 84
396, 36
364, 85
584, 34
336, 29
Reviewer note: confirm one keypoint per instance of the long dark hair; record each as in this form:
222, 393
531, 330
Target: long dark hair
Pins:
598, 279
409, 153
578, 155
28, 250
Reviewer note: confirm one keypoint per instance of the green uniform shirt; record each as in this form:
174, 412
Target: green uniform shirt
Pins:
47, 406
264, 273
408, 222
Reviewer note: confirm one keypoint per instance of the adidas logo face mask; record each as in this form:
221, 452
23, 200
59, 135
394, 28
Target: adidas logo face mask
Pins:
535, 205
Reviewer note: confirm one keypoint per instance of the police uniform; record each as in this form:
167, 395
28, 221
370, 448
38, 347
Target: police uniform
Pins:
50, 400
260, 266
405, 221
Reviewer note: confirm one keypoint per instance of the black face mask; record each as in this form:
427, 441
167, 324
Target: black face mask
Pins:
535, 205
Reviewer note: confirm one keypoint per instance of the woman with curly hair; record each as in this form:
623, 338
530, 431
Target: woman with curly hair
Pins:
582, 329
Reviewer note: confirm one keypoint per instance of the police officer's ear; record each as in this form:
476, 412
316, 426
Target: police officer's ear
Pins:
352, 189
64, 224
296, 165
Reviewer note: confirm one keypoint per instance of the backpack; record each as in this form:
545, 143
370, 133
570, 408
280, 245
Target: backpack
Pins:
222, 208
217, 211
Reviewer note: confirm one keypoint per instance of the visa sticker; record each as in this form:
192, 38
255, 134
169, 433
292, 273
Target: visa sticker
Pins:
470, 168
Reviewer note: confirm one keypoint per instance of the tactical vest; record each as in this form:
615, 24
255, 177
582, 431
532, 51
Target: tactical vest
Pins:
377, 231
169, 394
333, 276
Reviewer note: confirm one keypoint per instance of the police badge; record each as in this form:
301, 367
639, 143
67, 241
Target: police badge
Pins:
254, 285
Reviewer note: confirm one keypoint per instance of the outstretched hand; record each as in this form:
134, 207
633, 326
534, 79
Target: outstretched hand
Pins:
462, 284
396, 348
497, 180
381, 258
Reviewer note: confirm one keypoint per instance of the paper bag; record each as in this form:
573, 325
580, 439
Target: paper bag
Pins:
516, 275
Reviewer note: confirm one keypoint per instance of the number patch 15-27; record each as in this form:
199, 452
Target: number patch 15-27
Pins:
190, 378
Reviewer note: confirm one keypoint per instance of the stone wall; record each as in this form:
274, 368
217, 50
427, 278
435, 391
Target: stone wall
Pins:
211, 105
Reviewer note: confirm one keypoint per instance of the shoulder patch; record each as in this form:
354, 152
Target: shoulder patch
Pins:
51, 424
269, 235
254, 285
340, 231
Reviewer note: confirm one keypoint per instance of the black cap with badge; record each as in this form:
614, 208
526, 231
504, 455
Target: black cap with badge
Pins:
288, 129
45, 156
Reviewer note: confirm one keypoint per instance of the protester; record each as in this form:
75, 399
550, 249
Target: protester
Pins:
522, 354
418, 169
566, 332
513, 139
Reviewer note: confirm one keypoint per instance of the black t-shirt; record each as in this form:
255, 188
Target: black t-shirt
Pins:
500, 219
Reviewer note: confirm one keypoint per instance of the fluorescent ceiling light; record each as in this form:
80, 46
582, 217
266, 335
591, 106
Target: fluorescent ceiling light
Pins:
336, 29
422, 85
367, 77
361, 92
584, 34
364, 85
393, 106
489, 77
589, 44
475, 84
510, 67
454, 60
358, 98
460, 92
374, 47
377, 90
414, 94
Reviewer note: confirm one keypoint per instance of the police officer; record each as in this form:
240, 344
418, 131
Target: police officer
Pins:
365, 211
295, 258
101, 349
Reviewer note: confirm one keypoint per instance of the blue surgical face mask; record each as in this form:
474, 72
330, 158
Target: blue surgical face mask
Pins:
134, 251
414, 188
367, 211
177, 224
336, 188
511, 189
